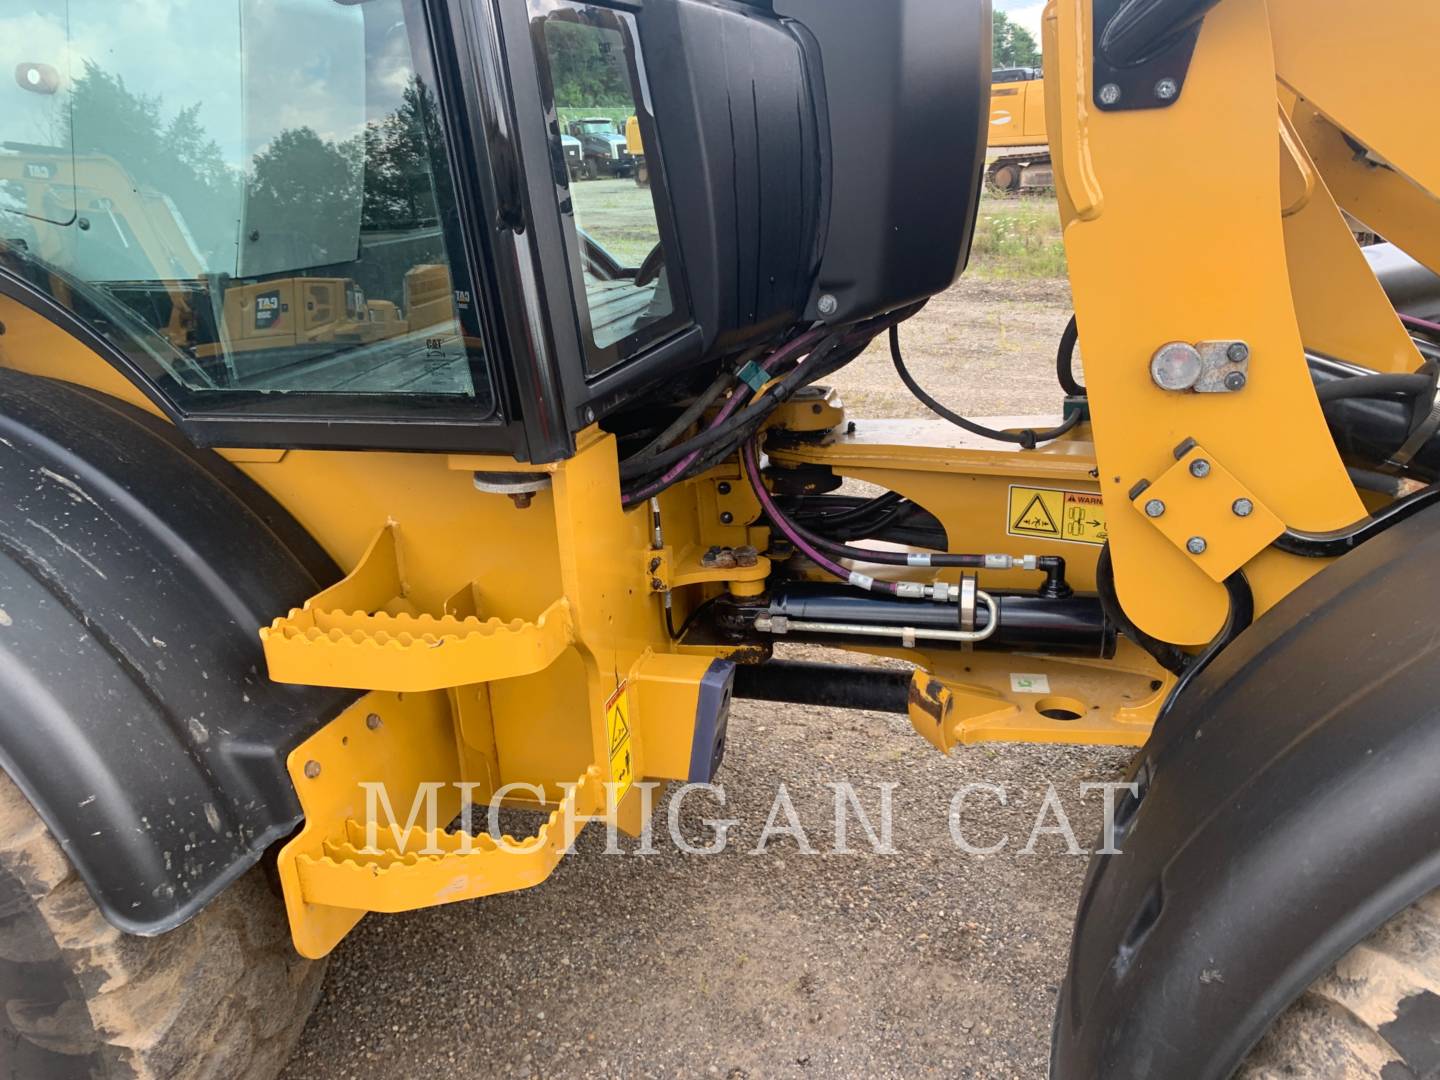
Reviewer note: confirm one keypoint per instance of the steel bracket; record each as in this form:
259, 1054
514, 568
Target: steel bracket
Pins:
1206, 512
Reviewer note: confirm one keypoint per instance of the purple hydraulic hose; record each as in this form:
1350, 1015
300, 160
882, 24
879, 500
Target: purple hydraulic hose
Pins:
752, 470
800, 344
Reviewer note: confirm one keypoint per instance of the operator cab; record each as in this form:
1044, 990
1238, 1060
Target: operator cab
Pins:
343, 224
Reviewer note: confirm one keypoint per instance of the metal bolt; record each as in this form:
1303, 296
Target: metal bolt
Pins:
828, 305
657, 585
1109, 94
1242, 507
726, 518
1154, 508
521, 499
84, 224
1235, 381
373, 721
312, 769
1238, 352
1167, 89
1196, 545
589, 415
1200, 468
723, 487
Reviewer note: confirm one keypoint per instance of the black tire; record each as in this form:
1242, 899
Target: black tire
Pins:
224, 996
1374, 1016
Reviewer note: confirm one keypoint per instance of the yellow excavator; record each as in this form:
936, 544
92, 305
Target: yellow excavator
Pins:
559, 475
1019, 156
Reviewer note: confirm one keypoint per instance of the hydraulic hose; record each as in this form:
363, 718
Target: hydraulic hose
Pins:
1028, 439
1378, 385
1171, 657
773, 512
1239, 617
1065, 360
1328, 545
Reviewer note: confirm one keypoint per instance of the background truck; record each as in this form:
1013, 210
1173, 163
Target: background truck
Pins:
604, 151
554, 474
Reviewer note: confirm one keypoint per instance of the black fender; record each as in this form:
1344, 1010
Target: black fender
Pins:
1289, 805
135, 712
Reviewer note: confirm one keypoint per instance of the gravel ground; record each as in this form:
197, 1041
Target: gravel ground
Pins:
925, 962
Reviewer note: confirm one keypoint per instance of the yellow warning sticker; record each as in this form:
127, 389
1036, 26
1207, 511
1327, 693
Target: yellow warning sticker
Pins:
617, 724
1052, 514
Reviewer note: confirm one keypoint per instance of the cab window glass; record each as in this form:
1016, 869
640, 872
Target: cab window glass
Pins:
257, 188
611, 185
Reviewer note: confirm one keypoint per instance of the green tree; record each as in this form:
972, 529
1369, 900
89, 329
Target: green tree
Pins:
296, 181
587, 65
1012, 44
177, 158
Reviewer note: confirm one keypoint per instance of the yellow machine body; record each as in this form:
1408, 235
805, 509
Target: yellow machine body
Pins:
500, 642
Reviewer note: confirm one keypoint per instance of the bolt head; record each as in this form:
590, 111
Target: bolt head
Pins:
1196, 545
312, 769
1200, 468
1242, 507
1154, 508
726, 518
1109, 94
373, 721
1167, 89
1238, 352
723, 487
828, 305
1235, 381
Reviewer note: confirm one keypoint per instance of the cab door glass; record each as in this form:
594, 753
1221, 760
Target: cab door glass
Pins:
257, 191
594, 87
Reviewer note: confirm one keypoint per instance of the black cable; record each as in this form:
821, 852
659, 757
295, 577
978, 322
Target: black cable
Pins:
1328, 545
1370, 480
634, 469
1065, 360
1369, 386
1028, 439
1171, 657
1237, 619
695, 613
830, 355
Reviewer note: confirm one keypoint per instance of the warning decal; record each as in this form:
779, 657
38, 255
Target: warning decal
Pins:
1052, 514
617, 725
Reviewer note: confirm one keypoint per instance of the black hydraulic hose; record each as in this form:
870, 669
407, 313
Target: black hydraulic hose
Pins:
696, 408
1171, 657
1328, 545
1027, 438
1378, 385
1239, 617
738, 427
1141, 28
1370, 480
1065, 360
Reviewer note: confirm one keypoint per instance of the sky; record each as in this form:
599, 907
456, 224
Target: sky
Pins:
1025, 12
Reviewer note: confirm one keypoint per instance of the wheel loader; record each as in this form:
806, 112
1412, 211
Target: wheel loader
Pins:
528, 550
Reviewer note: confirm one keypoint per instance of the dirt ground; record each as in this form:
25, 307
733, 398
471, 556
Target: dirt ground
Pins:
925, 962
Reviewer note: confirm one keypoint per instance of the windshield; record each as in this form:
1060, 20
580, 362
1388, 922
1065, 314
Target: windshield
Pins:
267, 211
597, 127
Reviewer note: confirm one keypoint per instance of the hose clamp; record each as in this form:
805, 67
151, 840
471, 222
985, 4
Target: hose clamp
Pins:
969, 589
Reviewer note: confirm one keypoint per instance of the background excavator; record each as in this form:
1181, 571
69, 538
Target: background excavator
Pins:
350, 444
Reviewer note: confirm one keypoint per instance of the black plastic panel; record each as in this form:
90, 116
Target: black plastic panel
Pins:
907, 88
135, 711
